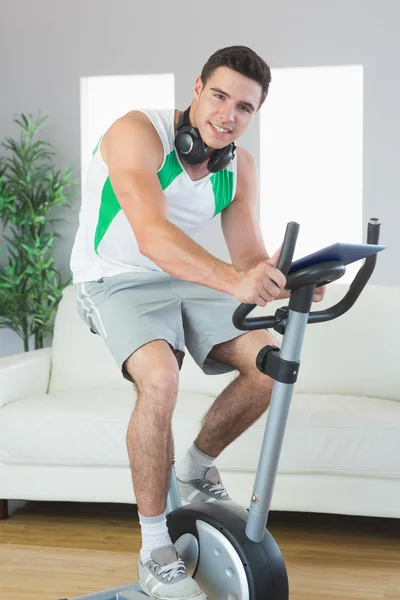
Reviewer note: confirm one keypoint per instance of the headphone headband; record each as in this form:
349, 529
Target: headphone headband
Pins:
184, 118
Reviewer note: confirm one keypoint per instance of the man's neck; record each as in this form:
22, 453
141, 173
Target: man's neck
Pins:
195, 172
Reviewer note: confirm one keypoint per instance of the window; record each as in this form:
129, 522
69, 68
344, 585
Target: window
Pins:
311, 150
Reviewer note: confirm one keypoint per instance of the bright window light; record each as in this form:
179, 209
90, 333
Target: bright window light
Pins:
311, 155
105, 99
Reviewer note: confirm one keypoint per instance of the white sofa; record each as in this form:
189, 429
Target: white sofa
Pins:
64, 413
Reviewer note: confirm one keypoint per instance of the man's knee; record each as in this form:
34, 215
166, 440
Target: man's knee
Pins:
155, 373
241, 352
161, 383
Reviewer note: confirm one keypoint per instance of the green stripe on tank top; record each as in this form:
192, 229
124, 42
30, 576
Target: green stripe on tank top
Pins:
222, 184
170, 170
110, 207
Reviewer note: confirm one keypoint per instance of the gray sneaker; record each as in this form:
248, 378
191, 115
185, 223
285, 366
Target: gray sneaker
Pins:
209, 489
164, 577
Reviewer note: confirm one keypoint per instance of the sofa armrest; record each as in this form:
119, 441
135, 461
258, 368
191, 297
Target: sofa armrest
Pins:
25, 374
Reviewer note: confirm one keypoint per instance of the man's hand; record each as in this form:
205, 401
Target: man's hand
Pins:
261, 284
317, 297
319, 293
264, 283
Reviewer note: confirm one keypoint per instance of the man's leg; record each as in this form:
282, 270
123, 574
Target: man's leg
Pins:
155, 371
139, 317
241, 403
244, 400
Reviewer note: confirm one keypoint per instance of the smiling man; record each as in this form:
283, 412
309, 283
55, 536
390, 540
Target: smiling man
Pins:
151, 291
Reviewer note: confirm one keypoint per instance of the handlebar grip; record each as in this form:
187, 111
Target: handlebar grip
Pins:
284, 262
288, 247
373, 231
356, 286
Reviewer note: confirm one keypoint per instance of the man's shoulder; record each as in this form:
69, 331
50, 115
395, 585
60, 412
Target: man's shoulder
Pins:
244, 155
155, 122
151, 118
247, 175
133, 130
136, 116
246, 163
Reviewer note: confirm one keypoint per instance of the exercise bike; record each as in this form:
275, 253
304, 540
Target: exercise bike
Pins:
231, 554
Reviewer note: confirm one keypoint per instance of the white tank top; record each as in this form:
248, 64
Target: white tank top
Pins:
105, 243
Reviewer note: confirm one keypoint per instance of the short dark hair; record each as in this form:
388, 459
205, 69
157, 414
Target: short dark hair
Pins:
243, 60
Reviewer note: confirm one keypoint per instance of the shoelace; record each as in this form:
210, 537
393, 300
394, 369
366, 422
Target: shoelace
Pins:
172, 570
218, 488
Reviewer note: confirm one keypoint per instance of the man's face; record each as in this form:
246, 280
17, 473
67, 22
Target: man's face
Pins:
225, 106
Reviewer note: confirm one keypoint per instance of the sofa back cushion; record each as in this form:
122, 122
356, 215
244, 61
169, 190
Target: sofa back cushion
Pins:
357, 352
354, 354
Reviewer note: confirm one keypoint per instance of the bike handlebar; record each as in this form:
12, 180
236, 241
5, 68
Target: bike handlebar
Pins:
285, 260
288, 247
243, 323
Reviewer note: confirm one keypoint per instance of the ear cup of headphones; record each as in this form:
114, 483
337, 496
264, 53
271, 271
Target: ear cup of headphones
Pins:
188, 141
190, 145
193, 150
221, 158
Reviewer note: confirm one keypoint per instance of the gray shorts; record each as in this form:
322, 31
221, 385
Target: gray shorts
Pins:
133, 309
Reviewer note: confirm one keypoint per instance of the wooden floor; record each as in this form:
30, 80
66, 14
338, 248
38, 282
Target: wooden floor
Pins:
50, 551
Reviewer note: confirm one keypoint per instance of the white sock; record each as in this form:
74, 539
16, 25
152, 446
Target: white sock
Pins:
154, 535
194, 464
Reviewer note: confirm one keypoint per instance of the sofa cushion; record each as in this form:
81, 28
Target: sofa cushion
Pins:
325, 434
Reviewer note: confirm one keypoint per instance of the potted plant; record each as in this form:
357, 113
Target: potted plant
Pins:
32, 190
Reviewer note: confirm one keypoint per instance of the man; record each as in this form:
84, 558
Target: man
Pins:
149, 289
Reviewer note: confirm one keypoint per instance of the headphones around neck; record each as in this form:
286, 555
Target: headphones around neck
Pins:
193, 150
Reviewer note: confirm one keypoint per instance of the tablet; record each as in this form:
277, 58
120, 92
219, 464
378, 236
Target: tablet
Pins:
344, 253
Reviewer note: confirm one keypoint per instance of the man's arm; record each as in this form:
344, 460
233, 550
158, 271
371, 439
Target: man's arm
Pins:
239, 220
240, 224
133, 152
